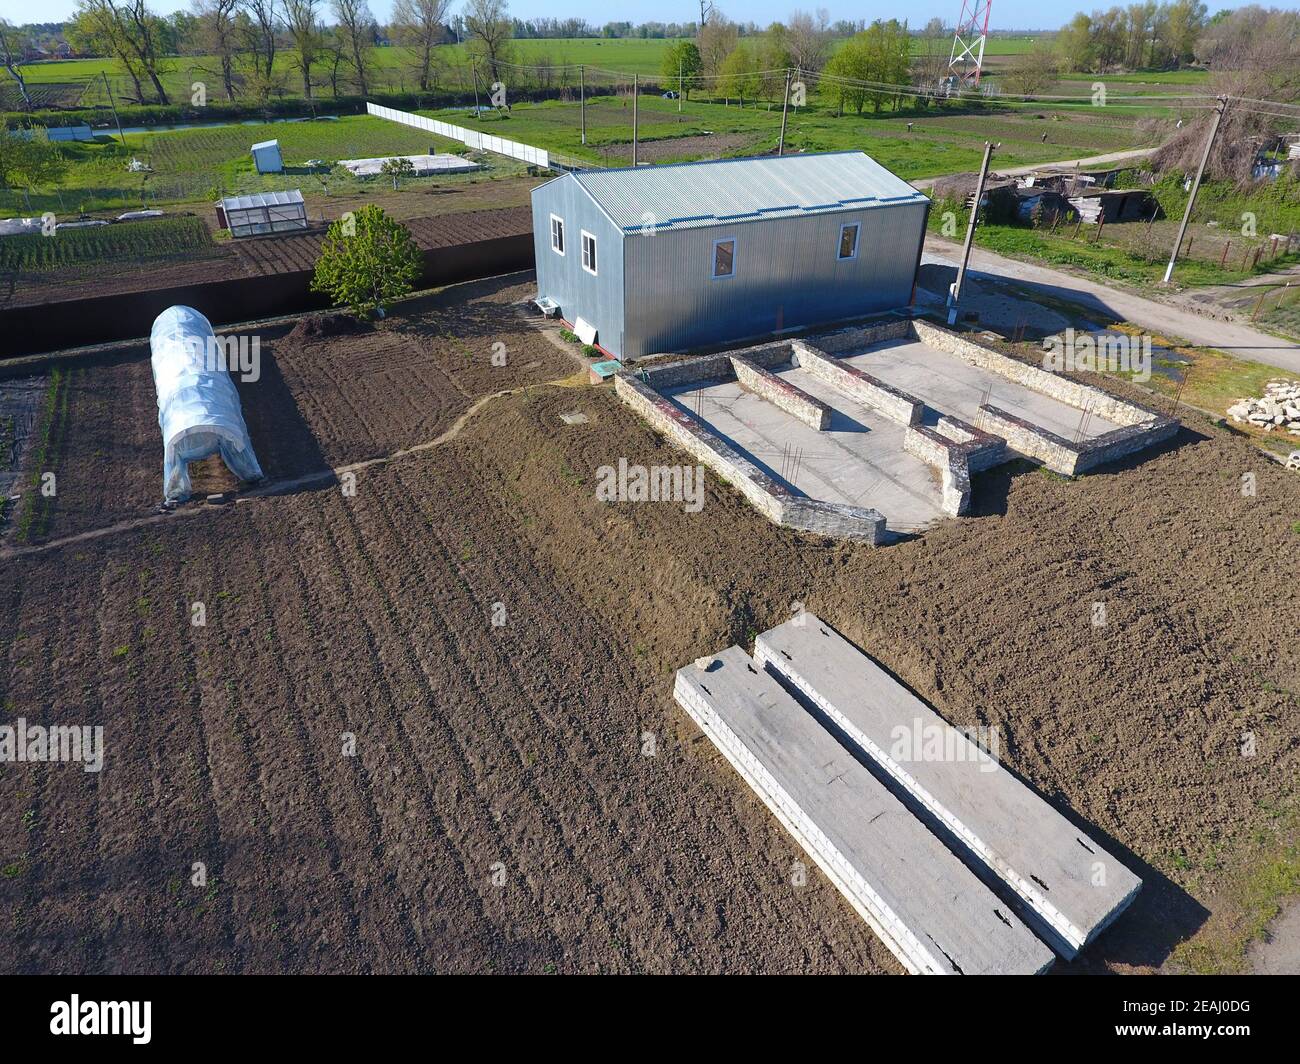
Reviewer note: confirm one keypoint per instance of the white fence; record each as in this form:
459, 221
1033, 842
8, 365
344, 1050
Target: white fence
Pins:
471, 138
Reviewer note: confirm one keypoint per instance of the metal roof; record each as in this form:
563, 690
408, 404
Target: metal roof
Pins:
265, 144
691, 195
261, 199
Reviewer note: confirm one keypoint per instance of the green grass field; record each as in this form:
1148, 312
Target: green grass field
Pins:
197, 165
393, 66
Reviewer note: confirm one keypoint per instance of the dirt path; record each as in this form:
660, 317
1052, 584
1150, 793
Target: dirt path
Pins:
1119, 305
1092, 160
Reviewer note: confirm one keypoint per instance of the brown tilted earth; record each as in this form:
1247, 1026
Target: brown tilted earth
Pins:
376, 777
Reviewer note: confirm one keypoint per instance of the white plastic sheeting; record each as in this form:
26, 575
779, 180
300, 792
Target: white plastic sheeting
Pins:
198, 406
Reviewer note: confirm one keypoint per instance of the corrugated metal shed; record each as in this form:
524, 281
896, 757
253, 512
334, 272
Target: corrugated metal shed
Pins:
691, 195
673, 258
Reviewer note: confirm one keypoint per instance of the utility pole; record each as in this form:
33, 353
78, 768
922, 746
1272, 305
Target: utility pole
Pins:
1196, 184
679, 84
582, 97
954, 293
113, 104
785, 109
474, 68
634, 127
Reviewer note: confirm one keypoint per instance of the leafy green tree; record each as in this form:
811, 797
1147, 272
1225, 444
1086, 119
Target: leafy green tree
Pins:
681, 56
397, 167
28, 159
367, 261
740, 75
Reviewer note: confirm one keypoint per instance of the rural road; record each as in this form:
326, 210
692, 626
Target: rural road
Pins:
1092, 160
1117, 305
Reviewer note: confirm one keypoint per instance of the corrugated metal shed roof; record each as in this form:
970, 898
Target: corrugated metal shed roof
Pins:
261, 199
689, 195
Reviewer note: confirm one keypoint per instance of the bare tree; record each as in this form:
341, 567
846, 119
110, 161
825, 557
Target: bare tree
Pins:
305, 30
9, 59
421, 26
263, 25
129, 30
1253, 53
355, 26
717, 40
809, 38
931, 64
218, 36
488, 32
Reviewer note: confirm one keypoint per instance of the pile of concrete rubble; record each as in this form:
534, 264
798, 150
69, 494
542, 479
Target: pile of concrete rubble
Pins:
1278, 409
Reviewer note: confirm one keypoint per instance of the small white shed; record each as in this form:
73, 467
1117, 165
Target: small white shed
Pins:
262, 213
266, 157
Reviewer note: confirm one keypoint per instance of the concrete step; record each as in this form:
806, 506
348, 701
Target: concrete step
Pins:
1067, 886
932, 911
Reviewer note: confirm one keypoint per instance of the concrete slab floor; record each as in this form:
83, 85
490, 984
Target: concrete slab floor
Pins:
858, 460
950, 386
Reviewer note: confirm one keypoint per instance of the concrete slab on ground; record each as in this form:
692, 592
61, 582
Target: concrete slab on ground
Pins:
859, 459
949, 385
931, 910
1071, 886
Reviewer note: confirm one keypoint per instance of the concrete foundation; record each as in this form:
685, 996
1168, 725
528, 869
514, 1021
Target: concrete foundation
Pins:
1066, 884
891, 419
933, 913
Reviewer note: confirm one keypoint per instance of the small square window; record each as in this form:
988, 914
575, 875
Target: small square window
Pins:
724, 258
588, 252
849, 241
557, 234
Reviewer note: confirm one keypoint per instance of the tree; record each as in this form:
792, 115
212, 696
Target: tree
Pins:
399, 166
739, 75
261, 28
933, 55
421, 26
127, 30
366, 262
10, 56
716, 41
809, 39
1034, 70
306, 32
218, 35
356, 32
28, 159
681, 58
487, 32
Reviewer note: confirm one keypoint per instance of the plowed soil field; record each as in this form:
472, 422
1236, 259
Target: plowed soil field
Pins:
429, 727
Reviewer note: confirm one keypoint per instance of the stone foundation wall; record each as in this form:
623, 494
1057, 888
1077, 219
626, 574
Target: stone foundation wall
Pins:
870, 391
782, 394
770, 497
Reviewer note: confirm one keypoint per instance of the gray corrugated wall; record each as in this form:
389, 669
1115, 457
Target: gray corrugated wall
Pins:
598, 299
787, 275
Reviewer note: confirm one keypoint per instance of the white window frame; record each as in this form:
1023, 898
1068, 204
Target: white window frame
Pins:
713, 261
857, 242
560, 250
582, 247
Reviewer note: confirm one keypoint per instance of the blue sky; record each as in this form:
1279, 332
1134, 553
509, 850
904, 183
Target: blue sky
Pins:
1007, 14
